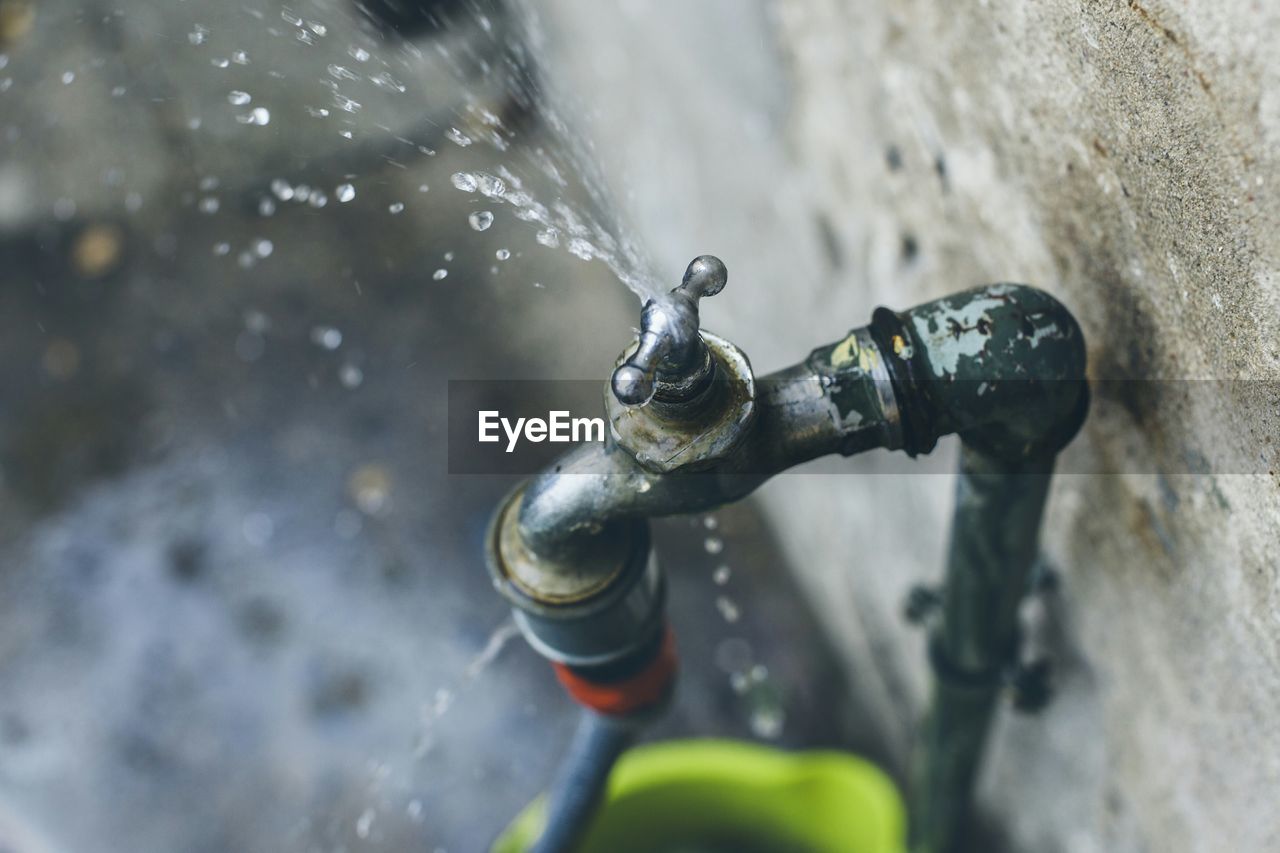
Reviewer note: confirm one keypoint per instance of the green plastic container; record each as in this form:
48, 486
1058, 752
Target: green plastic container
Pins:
718, 795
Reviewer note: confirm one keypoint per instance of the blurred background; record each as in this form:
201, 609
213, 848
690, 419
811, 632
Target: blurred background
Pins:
242, 601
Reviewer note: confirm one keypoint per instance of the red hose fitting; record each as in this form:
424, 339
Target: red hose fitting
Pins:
634, 692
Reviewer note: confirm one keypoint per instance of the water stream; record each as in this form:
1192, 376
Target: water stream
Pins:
477, 85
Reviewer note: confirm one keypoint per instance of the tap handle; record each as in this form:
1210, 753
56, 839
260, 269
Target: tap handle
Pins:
705, 276
669, 342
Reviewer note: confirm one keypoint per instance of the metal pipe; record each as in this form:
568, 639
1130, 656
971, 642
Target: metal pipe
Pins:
999, 505
1004, 367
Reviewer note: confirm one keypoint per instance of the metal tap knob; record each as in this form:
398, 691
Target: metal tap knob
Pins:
670, 349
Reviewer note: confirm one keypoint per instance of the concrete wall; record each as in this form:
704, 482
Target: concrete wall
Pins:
840, 154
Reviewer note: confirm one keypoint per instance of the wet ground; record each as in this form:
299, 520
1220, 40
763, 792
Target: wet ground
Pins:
242, 602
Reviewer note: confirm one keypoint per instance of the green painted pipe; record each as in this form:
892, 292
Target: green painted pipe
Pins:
1003, 366
999, 504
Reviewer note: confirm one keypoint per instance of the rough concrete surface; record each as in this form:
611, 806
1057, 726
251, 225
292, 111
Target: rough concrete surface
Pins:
841, 154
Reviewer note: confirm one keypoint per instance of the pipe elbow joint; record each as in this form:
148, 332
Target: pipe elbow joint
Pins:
594, 598
1002, 365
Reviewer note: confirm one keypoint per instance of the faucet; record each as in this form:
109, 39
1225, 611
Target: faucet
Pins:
690, 428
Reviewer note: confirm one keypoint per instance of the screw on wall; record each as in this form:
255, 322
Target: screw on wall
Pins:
921, 604
1030, 678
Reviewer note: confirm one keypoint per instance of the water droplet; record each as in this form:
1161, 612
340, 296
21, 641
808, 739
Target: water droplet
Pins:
264, 248
221, 248
209, 204
457, 137
68, 77
359, 54
548, 237
282, 190
339, 72
465, 181
208, 183
350, 376
317, 199
396, 207
199, 35
728, 609
502, 254
318, 28
266, 206
220, 62
480, 220
710, 522
347, 105
440, 274
423, 188
713, 544
259, 116
448, 256
345, 193
492, 186
767, 721
364, 824
237, 98
326, 336
581, 248
239, 57
441, 702
388, 83
721, 575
